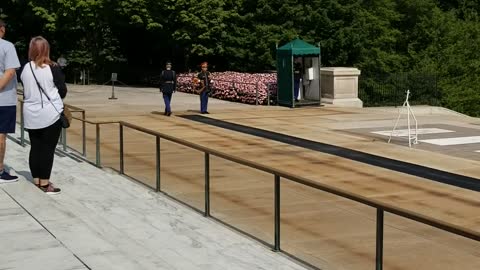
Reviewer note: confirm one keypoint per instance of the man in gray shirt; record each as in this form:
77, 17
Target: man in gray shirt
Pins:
8, 97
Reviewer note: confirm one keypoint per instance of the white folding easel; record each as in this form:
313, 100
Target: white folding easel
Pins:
412, 137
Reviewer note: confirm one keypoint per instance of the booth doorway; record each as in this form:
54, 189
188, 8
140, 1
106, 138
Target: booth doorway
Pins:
298, 74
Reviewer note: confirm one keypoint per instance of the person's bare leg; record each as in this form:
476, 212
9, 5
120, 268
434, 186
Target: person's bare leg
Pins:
3, 146
44, 182
36, 181
48, 188
5, 177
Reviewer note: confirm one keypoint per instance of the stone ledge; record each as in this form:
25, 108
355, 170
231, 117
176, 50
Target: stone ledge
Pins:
344, 102
340, 71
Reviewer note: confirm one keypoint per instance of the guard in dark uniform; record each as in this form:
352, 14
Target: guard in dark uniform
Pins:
206, 78
297, 75
168, 85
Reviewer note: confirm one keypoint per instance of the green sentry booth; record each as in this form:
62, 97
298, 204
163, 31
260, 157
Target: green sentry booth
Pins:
308, 56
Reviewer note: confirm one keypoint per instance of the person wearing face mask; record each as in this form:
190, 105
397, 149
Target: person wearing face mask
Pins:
168, 80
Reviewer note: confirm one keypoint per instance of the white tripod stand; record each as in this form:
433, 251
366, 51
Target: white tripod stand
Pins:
412, 137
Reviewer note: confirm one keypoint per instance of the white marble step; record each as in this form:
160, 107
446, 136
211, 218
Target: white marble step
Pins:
147, 229
71, 231
24, 244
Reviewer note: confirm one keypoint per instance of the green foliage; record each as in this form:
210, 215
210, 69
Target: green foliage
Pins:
200, 26
381, 37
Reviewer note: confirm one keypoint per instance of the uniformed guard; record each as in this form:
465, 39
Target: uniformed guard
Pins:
297, 75
168, 85
206, 78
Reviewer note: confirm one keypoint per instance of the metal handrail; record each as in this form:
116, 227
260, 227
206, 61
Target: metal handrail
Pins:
84, 121
95, 122
326, 188
74, 108
97, 136
278, 175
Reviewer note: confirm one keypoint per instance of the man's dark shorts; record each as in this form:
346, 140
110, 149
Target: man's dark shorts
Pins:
8, 116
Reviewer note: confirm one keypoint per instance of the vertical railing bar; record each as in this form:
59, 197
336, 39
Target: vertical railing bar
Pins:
122, 168
97, 144
22, 126
207, 184
157, 166
256, 93
277, 213
84, 135
379, 253
64, 139
268, 95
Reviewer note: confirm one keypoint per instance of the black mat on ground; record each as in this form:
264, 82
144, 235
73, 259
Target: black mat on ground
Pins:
383, 162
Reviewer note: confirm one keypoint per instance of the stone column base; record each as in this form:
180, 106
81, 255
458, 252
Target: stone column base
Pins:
344, 102
340, 86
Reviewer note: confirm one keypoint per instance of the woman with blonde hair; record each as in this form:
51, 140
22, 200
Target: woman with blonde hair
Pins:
44, 89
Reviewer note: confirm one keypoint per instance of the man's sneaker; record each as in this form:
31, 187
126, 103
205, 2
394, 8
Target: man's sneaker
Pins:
7, 178
50, 189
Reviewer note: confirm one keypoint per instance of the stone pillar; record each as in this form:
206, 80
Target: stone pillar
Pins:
340, 86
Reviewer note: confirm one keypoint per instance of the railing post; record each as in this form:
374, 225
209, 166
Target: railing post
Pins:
277, 214
256, 93
22, 126
379, 254
84, 135
207, 184
97, 144
64, 139
268, 95
157, 166
122, 168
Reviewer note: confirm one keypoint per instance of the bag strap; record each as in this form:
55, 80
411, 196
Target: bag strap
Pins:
41, 90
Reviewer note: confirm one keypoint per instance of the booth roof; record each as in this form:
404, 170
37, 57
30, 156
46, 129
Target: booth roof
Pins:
300, 47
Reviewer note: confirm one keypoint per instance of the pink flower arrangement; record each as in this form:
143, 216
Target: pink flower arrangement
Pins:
235, 86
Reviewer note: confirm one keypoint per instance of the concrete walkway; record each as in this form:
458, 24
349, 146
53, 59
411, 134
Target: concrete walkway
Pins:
104, 221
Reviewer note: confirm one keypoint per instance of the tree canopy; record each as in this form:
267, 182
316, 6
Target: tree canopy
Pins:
439, 37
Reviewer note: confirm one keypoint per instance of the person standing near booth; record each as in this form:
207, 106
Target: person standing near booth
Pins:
206, 78
297, 75
168, 86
